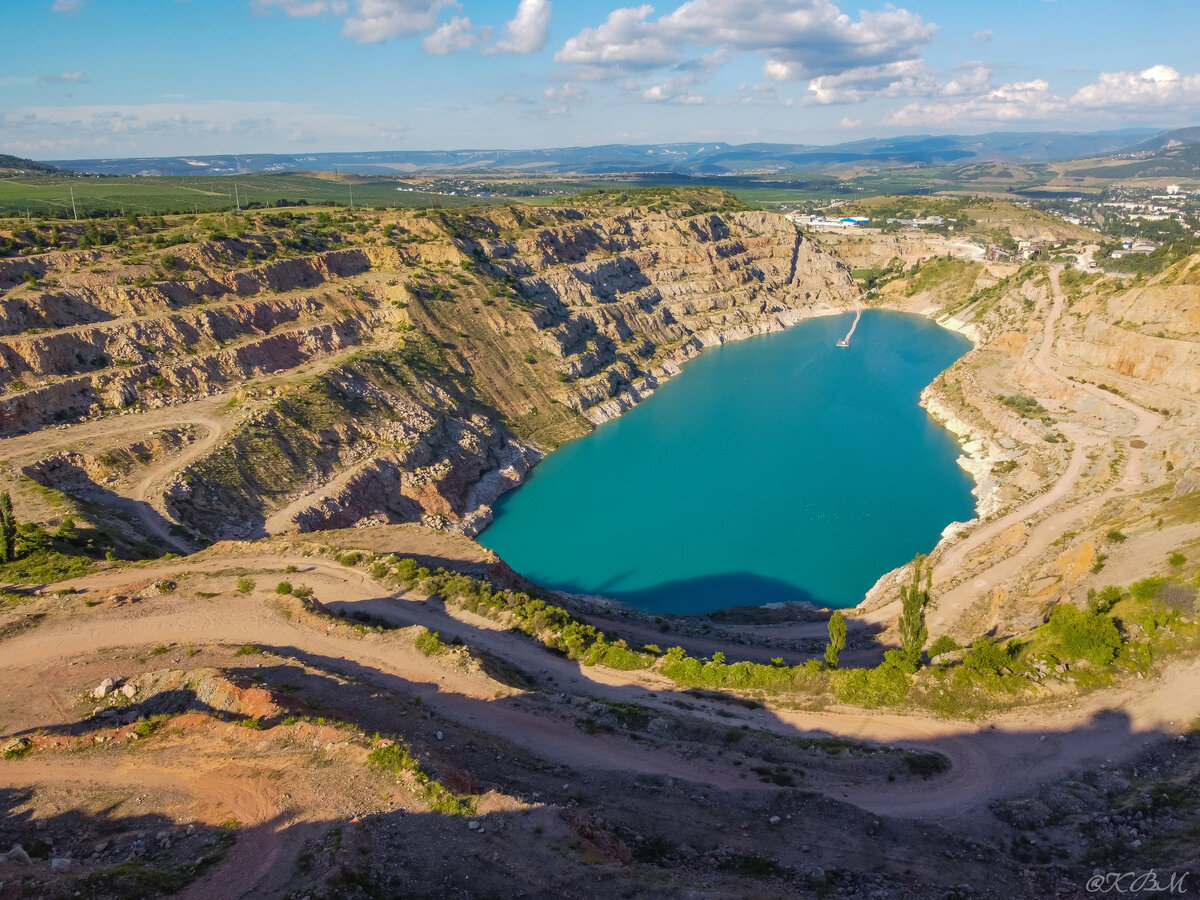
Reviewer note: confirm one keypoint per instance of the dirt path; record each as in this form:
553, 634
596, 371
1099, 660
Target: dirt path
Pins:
216, 427
1013, 753
86, 437
1008, 756
218, 793
952, 602
280, 521
845, 342
151, 518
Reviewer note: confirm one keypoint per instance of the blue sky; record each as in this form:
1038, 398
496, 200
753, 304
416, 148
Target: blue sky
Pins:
89, 78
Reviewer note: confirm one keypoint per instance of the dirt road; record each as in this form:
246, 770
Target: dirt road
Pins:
955, 598
1008, 756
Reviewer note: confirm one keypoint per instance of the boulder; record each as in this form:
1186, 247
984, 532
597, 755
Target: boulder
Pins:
17, 746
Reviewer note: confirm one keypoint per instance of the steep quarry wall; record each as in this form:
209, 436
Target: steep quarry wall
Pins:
454, 348
1148, 330
595, 311
622, 301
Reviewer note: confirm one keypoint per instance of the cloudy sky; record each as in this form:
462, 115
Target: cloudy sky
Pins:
91, 78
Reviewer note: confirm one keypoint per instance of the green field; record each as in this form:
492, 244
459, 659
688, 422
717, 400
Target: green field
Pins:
51, 196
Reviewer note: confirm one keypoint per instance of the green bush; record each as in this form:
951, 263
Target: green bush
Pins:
245, 585
397, 759
837, 638
406, 571
687, 671
616, 656
19, 750
1027, 406
284, 587
430, 643
986, 657
1148, 588
1103, 600
944, 644
882, 686
1088, 635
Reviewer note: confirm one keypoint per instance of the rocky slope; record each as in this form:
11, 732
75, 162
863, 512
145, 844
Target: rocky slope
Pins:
1075, 436
381, 367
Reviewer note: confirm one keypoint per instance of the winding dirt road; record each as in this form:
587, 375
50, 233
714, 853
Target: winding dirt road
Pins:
953, 601
1015, 752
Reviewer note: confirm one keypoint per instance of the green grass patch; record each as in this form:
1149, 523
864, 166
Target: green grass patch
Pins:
396, 759
430, 643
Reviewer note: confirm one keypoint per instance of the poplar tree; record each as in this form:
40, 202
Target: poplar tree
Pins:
8, 529
837, 639
914, 597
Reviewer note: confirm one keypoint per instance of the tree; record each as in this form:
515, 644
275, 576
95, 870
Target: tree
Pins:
8, 529
837, 639
913, 598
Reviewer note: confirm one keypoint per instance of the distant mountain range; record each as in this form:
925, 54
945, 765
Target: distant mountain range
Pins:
693, 159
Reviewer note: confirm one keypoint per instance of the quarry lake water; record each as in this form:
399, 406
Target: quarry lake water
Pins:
777, 468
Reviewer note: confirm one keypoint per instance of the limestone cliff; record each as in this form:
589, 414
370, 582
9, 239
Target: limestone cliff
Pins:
388, 366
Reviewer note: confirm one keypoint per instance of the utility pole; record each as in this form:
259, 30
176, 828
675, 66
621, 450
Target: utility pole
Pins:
352, 195
74, 214
236, 199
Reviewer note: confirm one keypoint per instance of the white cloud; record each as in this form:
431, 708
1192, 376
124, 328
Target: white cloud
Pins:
301, 9
67, 6
65, 77
676, 91
969, 78
1015, 102
850, 123
527, 32
625, 41
906, 78
457, 34
1151, 88
569, 93
801, 39
1153, 93
985, 35
201, 127
761, 94
381, 20
561, 99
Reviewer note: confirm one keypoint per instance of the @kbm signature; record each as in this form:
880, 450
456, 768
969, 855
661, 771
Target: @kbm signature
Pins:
1139, 882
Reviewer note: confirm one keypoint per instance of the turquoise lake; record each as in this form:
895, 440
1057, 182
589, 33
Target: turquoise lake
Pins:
777, 468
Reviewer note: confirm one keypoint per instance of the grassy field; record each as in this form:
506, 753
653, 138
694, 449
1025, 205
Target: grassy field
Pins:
51, 196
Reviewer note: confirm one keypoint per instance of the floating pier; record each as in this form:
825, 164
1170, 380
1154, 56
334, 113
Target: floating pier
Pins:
845, 342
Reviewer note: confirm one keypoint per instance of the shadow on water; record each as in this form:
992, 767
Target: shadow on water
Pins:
702, 594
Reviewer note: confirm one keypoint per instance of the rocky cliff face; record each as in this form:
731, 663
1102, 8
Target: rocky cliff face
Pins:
621, 301
415, 371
